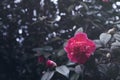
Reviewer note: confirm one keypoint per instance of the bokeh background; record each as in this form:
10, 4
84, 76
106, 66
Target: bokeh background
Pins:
28, 24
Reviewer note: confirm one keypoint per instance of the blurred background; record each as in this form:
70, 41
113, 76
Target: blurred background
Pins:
28, 24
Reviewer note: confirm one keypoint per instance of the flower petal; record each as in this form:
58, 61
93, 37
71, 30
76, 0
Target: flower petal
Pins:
79, 48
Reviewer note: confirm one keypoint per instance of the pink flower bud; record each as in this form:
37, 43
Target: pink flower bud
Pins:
50, 63
41, 59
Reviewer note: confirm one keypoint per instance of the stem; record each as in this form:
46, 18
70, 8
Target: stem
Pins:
83, 72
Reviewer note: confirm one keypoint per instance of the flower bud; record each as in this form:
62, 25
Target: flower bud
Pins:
50, 63
41, 59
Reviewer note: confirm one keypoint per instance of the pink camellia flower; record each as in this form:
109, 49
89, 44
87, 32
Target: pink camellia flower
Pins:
41, 59
50, 64
79, 48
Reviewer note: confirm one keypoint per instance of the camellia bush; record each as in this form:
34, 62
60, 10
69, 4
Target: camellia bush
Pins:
59, 40
82, 59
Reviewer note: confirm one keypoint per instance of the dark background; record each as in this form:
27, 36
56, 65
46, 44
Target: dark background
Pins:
27, 24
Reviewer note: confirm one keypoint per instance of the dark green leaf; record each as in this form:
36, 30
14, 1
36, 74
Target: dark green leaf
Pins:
117, 36
84, 5
46, 48
118, 26
113, 70
61, 52
79, 30
48, 75
46, 51
63, 70
46, 54
105, 37
70, 63
116, 44
98, 43
75, 76
41, 52
103, 68
55, 39
92, 12
78, 69
37, 49
70, 8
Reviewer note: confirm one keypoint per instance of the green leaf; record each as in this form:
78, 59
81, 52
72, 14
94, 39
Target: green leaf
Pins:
105, 37
74, 76
103, 68
46, 54
61, 52
37, 49
118, 26
116, 44
78, 69
72, 1
70, 8
45, 48
46, 51
40, 52
65, 43
48, 75
79, 30
84, 5
63, 70
98, 43
117, 36
70, 63
55, 39
117, 22
91, 12
113, 70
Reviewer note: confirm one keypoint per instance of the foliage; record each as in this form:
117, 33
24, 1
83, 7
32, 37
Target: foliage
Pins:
30, 28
